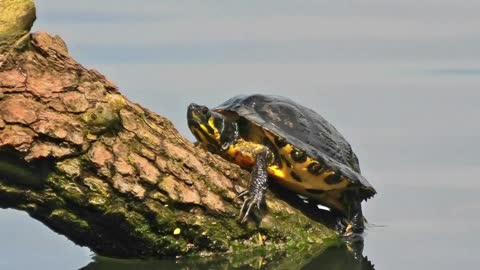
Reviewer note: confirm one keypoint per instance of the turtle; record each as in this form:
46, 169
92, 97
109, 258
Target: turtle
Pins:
277, 138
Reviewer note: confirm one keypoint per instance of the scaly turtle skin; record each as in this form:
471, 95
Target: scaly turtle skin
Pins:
274, 136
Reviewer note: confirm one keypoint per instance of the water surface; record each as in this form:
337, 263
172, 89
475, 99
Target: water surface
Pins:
399, 80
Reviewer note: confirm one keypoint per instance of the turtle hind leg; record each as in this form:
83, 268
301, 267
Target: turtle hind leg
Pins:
356, 220
341, 225
255, 195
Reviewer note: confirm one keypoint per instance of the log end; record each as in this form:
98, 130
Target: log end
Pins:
16, 20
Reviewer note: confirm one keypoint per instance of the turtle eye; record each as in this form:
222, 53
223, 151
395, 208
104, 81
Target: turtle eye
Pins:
204, 110
207, 114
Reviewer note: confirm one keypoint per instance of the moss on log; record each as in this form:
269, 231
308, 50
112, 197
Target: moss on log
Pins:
114, 176
16, 20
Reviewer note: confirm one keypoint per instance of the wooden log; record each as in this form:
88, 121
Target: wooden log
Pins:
114, 176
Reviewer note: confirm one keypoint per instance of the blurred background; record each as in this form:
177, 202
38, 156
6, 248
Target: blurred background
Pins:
399, 79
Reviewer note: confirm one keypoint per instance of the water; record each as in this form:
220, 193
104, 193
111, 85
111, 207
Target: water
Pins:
399, 80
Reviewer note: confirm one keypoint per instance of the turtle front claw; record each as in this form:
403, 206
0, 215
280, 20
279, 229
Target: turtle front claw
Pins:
248, 203
255, 195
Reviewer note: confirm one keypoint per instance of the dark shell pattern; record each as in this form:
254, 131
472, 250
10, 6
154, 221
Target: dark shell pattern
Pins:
301, 127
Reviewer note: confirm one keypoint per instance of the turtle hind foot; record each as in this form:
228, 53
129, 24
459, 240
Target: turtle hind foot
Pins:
346, 228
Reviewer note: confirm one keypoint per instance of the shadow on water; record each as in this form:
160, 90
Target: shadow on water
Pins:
344, 257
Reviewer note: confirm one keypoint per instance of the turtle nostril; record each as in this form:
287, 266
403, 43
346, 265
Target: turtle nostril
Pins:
198, 110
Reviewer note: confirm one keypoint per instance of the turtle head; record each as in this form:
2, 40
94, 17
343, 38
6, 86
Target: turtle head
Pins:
213, 130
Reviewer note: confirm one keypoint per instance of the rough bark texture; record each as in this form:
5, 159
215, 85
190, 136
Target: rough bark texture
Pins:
116, 177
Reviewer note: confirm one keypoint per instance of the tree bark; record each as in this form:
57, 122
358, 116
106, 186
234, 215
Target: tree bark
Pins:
116, 177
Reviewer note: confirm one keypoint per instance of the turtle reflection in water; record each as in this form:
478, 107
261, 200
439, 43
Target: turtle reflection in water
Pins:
274, 136
333, 258
345, 257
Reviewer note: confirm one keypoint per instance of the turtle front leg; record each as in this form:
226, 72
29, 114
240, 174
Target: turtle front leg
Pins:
255, 195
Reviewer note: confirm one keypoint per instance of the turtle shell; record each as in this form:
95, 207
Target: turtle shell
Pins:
303, 128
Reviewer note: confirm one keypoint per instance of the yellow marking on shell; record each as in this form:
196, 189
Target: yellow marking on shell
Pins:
287, 149
309, 180
244, 152
332, 193
276, 171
